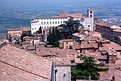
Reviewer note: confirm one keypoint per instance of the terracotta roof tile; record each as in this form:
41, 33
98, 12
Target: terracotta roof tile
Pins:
66, 40
70, 15
60, 60
17, 62
76, 45
78, 35
86, 45
63, 53
105, 24
114, 71
91, 38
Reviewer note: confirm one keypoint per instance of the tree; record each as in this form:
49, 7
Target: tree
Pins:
70, 27
87, 70
40, 30
54, 37
26, 34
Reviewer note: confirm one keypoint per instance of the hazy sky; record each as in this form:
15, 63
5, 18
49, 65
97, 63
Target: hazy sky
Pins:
57, 3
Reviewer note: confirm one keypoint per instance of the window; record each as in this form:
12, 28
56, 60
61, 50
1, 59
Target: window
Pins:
66, 47
64, 75
90, 11
82, 19
90, 15
41, 22
66, 42
88, 25
55, 22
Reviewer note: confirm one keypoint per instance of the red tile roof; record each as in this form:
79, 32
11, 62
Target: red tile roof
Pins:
105, 24
64, 53
103, 40
79, 15
78, 35
96, 55
91, 38
117, 30
114, 71
119, 38
66, 40
114, 46
26, 29
111, 48
76, 45
19, 65
60, 61
87, 45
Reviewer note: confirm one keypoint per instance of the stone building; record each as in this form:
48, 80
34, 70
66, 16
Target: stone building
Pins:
55, 21
109, 31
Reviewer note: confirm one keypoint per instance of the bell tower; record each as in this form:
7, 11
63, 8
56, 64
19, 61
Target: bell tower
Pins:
90, 13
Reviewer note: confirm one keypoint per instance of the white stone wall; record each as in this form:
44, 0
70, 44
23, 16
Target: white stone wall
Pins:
47, 22
63, 73
87, 22
34, 27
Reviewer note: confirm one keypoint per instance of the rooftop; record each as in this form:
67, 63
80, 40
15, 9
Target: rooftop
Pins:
117, 30
104, 24
66, 40
78, 35
59, 61
19, 65
19, 29
63, 53
86, 45
91, 38
111, 48
114, 71
77, 15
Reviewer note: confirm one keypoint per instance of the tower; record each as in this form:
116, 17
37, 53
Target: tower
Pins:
90, 13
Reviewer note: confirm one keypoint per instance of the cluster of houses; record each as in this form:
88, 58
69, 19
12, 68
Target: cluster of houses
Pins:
28, 59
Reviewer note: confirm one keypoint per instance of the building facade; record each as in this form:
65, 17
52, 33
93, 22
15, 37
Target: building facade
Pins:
109, 31
62, 72
55, 21
66, 43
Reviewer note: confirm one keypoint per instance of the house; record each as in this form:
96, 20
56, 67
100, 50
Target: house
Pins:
55, 21
66, 43
69, 54
114, 72
78, 37
62, 59
91, 38
109, 31
62, 68
14, 34
113, 50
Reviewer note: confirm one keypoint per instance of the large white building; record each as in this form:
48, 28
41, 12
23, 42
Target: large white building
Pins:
55, 21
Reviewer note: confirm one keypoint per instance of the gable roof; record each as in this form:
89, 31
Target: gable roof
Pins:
63, 53
19, 65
